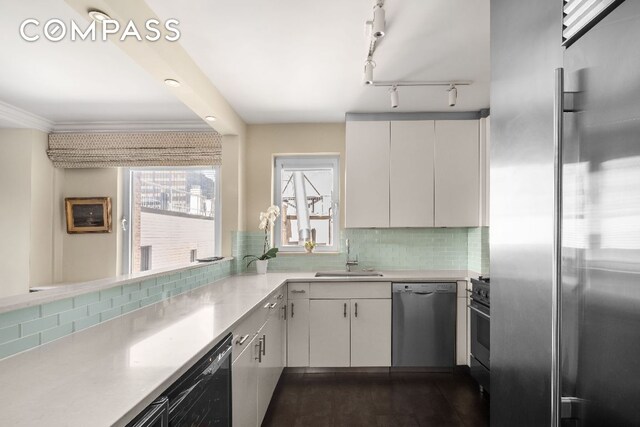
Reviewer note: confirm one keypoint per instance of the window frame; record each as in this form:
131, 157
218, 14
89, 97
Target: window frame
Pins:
300, 161
127, 236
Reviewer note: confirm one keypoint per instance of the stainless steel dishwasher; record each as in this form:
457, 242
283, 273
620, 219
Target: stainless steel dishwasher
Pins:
424, 325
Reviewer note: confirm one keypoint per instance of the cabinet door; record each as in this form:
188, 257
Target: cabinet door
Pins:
371, 332
298, 333
270, 365
367, 174
245, 386
411, 173
457, 186
329, 333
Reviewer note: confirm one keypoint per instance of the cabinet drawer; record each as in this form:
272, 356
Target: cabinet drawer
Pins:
298, 291
347, 290
256, 320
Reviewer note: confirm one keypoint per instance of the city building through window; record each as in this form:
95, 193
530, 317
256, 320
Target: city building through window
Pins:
173, 217
306, 190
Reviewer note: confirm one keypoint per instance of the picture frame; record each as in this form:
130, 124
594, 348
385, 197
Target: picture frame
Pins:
88, 214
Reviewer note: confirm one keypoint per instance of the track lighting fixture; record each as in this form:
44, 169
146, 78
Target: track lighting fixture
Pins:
375, 30
368, 72
395, 97
453, 95
378, 21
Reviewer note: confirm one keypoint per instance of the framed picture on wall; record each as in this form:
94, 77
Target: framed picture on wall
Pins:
88, 214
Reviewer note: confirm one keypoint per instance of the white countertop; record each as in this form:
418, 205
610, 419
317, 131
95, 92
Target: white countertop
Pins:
107, 374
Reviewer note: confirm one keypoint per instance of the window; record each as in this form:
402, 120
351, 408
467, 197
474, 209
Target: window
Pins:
315, 181
145, 258
175, 211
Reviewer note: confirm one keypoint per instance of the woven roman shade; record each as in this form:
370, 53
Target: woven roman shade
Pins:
106, 150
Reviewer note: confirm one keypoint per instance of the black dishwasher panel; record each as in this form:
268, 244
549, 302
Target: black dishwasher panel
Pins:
202, 397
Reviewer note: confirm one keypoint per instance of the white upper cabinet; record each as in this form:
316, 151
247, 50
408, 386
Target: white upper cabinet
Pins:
457, 184
412, 180
367, 180
416, 174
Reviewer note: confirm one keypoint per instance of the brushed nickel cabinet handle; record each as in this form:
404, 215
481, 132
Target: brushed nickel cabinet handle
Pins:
356, 309
264, 345
298, 291
242, 339
259, 345
345, 309
292, 310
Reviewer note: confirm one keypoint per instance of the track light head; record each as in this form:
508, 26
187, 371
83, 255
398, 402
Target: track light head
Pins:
395, 97
453, 95
378, 30
368, 72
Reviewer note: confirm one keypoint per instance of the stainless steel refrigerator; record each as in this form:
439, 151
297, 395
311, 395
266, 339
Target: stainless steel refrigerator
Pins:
565, 206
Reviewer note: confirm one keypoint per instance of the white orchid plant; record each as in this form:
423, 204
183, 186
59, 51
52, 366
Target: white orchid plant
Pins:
267, 221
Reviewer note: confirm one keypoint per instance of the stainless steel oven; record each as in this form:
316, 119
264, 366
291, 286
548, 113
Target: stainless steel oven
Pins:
480, 316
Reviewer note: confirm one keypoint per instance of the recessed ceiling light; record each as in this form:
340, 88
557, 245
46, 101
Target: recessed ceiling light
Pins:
98, 15
210, 118
172, 83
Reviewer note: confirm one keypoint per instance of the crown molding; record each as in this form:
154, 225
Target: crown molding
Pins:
24, 119
133, 126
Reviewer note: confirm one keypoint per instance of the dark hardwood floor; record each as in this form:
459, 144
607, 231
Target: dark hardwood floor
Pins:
382, 400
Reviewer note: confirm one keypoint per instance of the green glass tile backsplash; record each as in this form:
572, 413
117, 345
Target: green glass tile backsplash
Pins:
29, 327
382, 249
386, 249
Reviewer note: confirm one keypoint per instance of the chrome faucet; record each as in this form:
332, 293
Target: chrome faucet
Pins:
350, 262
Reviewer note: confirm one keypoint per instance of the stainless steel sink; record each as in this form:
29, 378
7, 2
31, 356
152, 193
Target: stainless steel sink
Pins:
349, 274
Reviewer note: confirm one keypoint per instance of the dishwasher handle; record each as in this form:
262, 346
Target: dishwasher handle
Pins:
423, 293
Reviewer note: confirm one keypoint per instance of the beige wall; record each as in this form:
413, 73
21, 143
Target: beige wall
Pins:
44, 180
92, 256
232, 188
266, 141
27, 218
15, 210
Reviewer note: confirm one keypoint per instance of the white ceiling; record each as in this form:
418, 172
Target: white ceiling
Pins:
275, 62
302, 61
76, 82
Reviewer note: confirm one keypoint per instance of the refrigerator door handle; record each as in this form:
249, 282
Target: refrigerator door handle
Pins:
556, 283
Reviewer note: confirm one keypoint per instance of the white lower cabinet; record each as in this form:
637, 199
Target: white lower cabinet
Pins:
272, 360
245, 385
371, 332
298, 333
255, 372
350, 332
329, 335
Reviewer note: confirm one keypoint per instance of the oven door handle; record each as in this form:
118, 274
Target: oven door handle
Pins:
472, 308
